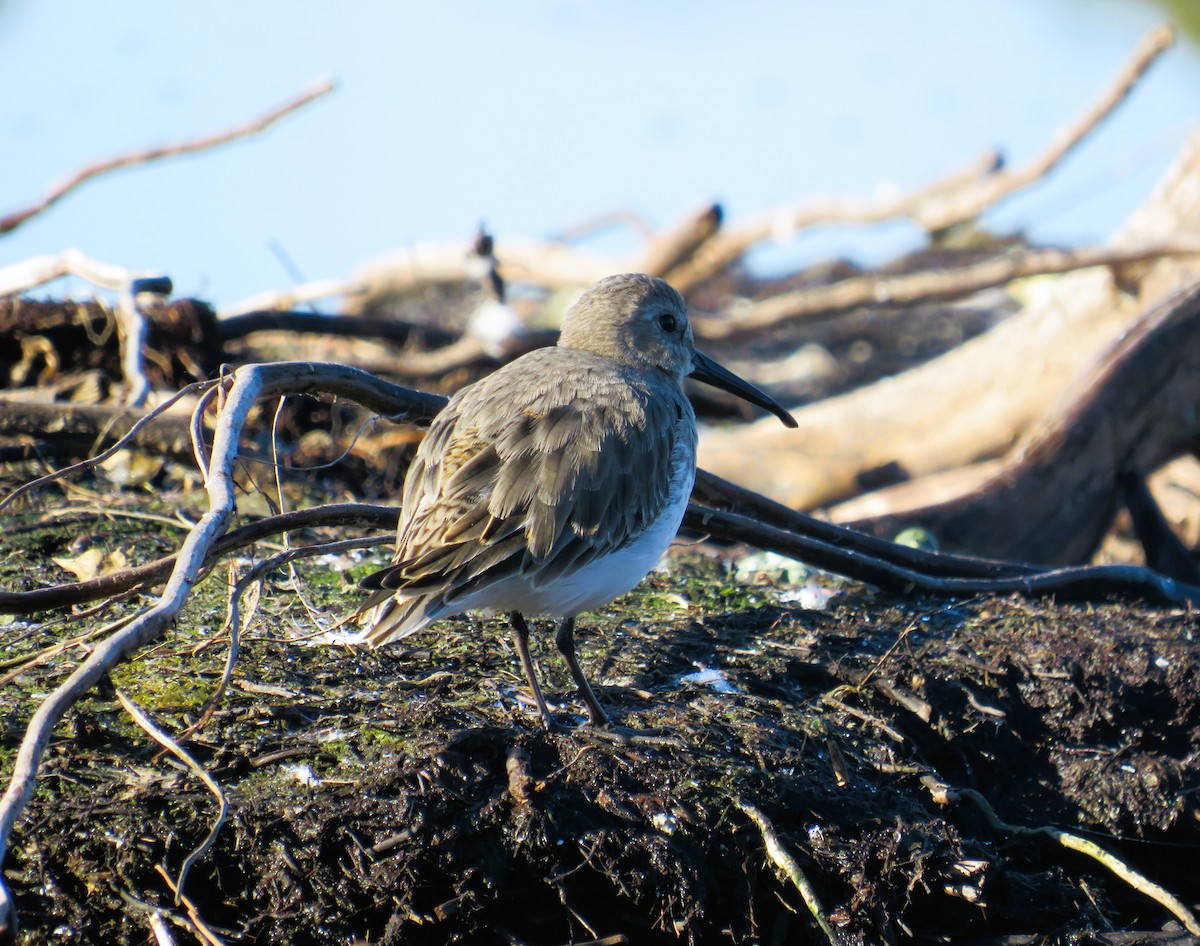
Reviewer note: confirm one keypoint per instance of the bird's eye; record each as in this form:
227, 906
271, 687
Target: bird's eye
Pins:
667, 322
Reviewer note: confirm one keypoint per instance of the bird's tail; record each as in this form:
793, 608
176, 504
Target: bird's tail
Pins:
391, 619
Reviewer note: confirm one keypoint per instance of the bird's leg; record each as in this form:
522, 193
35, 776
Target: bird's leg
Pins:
520, 638
564, 640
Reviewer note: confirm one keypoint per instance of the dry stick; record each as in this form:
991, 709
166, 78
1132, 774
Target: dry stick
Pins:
233, 620
927, 284
199, 448
728, 245
254, 126
281, 505
133, 329
160, 736
1091, 849
249, 383
201, 929
30, 273
336, 514
956, 198
162, 935
785, 862
971, 201
677, 245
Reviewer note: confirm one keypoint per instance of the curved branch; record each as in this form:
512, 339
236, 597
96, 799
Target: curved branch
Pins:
85, 174
249, 383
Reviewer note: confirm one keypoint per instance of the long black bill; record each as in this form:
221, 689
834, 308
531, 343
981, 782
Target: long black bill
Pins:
708, 371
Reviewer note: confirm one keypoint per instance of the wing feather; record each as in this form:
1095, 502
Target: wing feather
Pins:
549, 463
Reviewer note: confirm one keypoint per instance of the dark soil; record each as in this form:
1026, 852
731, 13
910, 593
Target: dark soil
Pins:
410, 796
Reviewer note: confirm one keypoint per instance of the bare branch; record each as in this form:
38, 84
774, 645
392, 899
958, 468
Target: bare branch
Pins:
1082, 845
729, 244
928, 284
39, 270
251, 127
971, 201
142, 718
959, 196
790, 866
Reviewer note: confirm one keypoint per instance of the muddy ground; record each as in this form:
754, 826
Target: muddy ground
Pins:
897, 750
411, 795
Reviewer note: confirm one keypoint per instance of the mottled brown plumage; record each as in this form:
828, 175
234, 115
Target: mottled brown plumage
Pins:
553, 485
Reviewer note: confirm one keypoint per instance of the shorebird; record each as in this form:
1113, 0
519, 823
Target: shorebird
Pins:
554, 485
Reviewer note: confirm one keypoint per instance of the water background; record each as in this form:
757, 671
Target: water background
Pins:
536, 116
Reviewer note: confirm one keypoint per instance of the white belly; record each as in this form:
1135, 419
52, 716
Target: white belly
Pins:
604, 579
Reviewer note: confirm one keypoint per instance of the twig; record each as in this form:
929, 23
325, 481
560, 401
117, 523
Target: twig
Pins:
873, 288
160, 736
795, 873
249, 383
971, 201
254, 126
162, 935
1091, 849
677, 245
1080, 582
731, 243
336, 514
132, 331
199, 447
203, 931
31, 273
959, 196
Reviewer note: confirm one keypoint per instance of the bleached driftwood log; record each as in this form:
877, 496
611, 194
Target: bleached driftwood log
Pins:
975, 402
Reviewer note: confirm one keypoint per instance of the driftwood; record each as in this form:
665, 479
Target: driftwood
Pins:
699, 247
977, 401
1053, 497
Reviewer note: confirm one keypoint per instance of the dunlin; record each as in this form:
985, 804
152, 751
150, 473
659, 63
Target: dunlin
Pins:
553, 485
